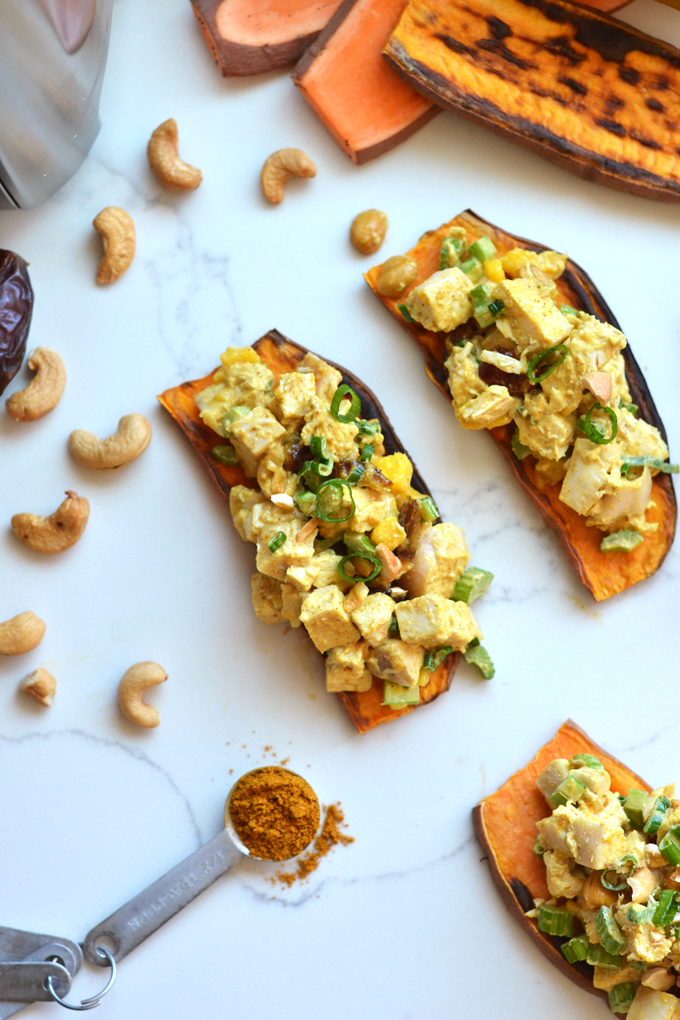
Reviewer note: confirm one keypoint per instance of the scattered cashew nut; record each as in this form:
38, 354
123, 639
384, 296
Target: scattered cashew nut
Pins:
163, 154
41, 685
44, 391
118, 235
396, 274
281, 165
368, 230
136, 680
126, 444
59, 531
21, 634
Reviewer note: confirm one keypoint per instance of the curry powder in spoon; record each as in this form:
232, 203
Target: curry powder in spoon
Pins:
275, 813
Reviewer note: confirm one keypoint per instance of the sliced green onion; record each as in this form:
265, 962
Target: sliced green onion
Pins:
332, 488
276, 542
606, 884
633, 805
568, 310
394, 625
609, 931
496, 307
555, 921
652, 462
520, 451
478, 656
367, 428
621, 997
356, 474
621, 541
482, 249
377, 566
670, 848
661, 806
355, 405
575, 949
629, 857
593, 430
631, 408
471, 585
667, 908
428, 509
357, 542
367, 452
395, 696
473, 268
532, 377
433, 660
406, 315
639, 965
225, 454
538, 847
323, 465
449, 253
597, 956
570, 789
588, 760
305, 501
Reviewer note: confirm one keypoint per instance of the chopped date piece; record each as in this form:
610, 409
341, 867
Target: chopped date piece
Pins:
517, 385
16, 306
411, 521
368, 475
296, 456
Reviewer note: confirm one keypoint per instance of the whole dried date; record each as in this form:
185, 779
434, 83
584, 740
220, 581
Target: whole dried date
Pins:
16, 306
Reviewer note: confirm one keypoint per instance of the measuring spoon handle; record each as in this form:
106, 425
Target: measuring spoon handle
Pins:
146, 912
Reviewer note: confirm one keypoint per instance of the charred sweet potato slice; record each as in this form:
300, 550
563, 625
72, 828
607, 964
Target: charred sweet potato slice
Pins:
505, 824
281, 355
604, 574
572, 84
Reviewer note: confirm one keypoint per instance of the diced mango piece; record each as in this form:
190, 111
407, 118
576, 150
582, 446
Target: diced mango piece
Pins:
398, 468
389, 532
493, 268
514, 259
232, 355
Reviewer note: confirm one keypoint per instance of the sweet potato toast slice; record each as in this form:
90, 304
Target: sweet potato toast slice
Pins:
281, 355
505, 824
247, 37
585, 91
604, 574
363, 103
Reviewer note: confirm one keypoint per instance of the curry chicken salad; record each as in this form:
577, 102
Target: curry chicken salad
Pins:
516, 356
613, 869
345, 546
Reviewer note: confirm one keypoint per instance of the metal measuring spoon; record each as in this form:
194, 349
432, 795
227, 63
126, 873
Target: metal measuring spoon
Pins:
145, 913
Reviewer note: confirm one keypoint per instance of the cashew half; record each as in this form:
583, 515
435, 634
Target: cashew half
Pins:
126, 444
41, 686
59, 531
163, 154
136, 680
118, 235
279, 167
44, 391
21, 634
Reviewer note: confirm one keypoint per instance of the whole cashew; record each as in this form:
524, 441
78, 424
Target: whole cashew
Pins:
59, 531
21, 634
163, 154
279, 167
118, 235
41, 685
44, 391
126, 444
136, 680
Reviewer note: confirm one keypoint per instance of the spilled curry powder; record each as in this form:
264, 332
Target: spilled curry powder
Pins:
330, 836
275, 812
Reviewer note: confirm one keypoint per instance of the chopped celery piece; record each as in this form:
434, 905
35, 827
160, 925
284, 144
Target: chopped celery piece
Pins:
478, 656
449, 253
235, 414
519, 450
589, 760
225, 454
568, 310
555, 921
433, 660
572, 788
609, 931
472, 268
639, 965
666, 910
576, 949
621, 541
482, 249
661, 806
405, 313
471, 585
642, 915
621, 997
670, 848
538, 848
633, 805
395, 696
428, 509
480, 295
597, 956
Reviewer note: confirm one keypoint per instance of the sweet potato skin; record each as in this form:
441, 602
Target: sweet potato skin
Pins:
505, 825
572, 84
282, 355
604, 574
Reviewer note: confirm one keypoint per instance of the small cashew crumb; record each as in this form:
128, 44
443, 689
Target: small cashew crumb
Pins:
21, 634
396, 274
59, 531
137, 679
118, 235
163, 153
279, 167
126, 444
41, 685
368, 231
44, 391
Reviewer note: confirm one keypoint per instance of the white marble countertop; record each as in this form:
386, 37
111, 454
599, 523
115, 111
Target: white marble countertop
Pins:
404, 922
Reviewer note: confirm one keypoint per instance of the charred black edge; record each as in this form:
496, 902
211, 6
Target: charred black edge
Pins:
585, 163
358, 156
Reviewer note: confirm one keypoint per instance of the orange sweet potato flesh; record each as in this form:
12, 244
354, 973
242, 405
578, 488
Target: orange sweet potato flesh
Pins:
505, 824
366, 106
604, 574
585, 91
281, 355
252, 36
